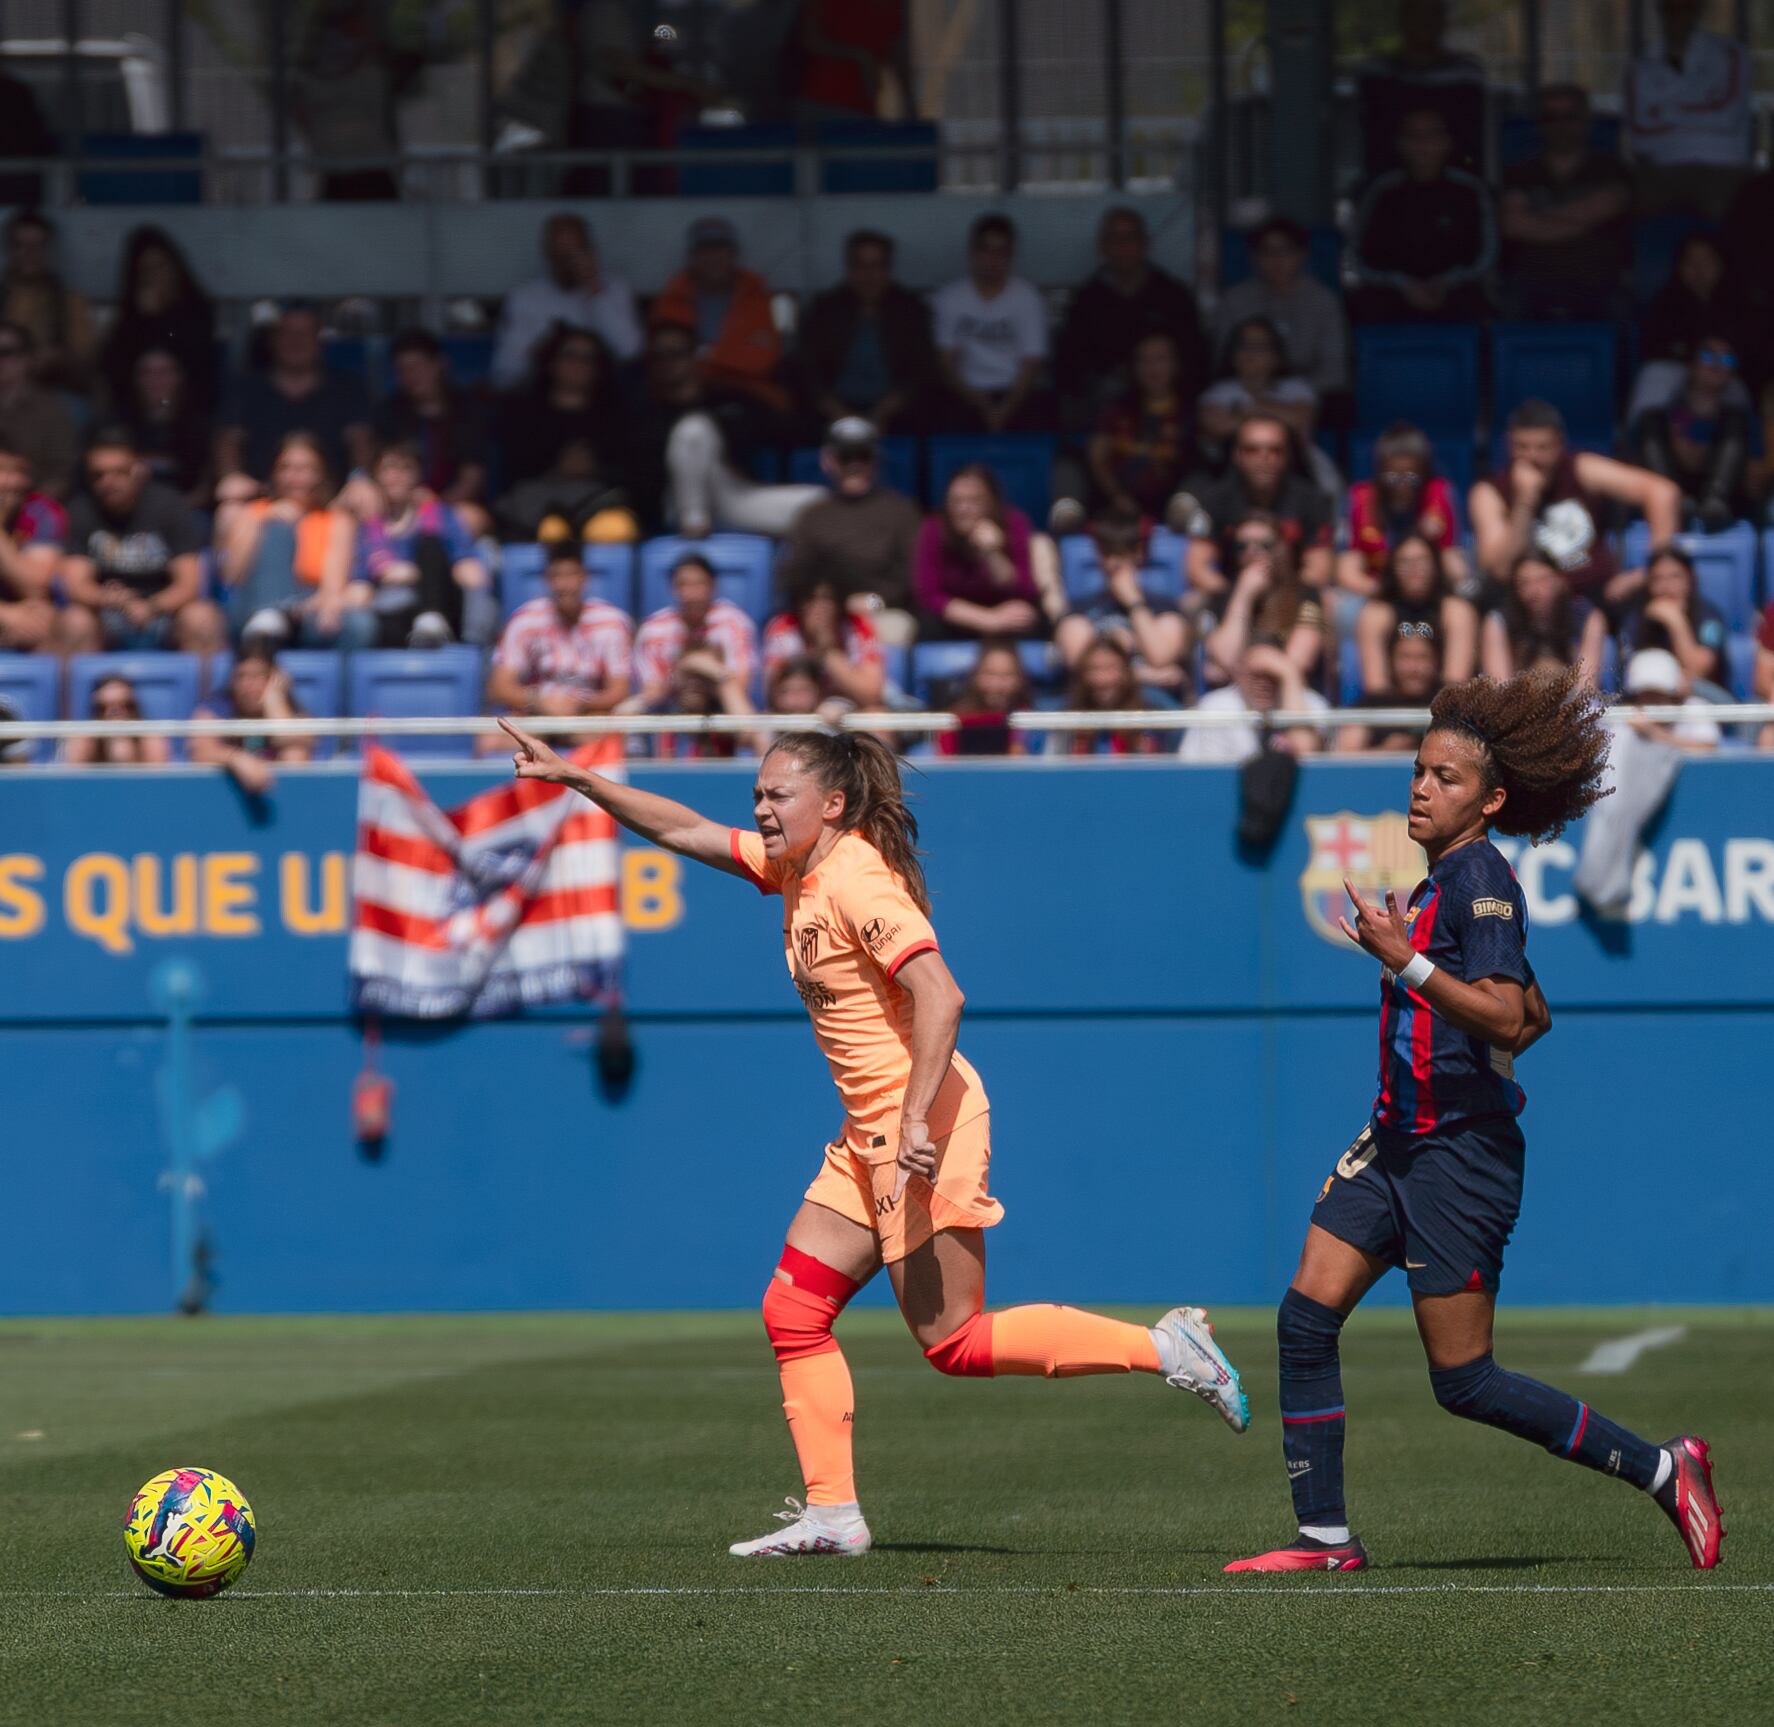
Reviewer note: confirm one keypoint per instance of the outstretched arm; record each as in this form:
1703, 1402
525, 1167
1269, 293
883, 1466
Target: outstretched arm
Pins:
668, 824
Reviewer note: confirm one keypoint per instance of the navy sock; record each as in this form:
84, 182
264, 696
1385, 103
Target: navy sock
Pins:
1482, 1391
1312, 1407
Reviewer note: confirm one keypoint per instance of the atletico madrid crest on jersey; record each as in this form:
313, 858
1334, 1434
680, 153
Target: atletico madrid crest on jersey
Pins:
1373, 852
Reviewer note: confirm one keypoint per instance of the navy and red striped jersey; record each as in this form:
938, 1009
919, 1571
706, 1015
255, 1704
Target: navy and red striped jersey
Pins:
1468, 915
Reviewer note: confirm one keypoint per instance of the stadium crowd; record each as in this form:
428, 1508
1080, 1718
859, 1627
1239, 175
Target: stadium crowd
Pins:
996, 496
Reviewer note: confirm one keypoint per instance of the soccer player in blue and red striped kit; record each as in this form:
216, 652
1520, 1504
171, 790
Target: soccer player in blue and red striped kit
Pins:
1433, 1182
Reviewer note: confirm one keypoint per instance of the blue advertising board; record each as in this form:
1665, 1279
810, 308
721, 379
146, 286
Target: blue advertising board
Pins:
1177, 1043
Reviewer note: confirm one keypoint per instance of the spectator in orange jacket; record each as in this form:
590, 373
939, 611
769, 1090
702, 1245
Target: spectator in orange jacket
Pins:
737, 347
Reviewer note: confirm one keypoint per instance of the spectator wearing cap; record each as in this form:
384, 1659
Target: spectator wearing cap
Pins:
991, 332
687, 651
562, 653
1424, 239
34, 420
114, 699
34, 296
859, 536
1127, 299
132, 572
296, 392
1566, 218
575, 289
1405, 496
1655, 679
1550, 499
1308, 315
1704, 437
417, 554
864, 347
840, 645
1672, 614
258, 689
980, 569
1144, 625
1416, 598
1688, 116
1266, 473
737, 347
443, 422
33, 537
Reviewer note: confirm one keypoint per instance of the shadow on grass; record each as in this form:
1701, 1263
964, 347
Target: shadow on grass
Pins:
1513, 1562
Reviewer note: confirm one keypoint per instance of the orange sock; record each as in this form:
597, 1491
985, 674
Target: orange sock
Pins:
802, 1301
1062, 1341
819, 1404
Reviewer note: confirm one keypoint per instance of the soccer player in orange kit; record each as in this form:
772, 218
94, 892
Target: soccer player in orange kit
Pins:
904, 1184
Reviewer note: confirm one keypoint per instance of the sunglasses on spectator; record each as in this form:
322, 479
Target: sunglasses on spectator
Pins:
1265, 544
1717, 357
1402, 477
1426, 631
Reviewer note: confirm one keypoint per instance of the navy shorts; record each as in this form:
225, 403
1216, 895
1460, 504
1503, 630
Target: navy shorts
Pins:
1439, 1204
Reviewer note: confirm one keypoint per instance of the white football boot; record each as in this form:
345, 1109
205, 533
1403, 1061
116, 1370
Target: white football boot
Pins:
1192, 1361
812, 1529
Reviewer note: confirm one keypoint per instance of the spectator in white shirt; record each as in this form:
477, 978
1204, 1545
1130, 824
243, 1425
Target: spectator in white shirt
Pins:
577, 291
1267, 680
1688, 116
1655, 679
563, 654
991, 333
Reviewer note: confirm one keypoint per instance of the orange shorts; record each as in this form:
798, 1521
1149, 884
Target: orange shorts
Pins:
857, 1182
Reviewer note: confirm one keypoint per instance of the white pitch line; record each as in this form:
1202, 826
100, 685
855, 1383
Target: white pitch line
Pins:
1058, 1591
1619, 1353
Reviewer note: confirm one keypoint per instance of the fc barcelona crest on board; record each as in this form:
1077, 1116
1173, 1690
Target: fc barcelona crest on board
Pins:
1373, 852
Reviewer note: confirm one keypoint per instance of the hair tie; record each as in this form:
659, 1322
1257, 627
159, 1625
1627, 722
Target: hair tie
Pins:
1477, 731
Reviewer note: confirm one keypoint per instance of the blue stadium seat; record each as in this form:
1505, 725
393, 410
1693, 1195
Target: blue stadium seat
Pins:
1081, 571
899, 466
170, 171
165, 684
708, 176
742, 563
1725, 564
1572, 366
611, 568
349, 355
1324, 256
31, 687
1740, 656
915, 172
936, 663
403, 684
1518, 138
1348, 672
470, 355
1023, 462
896, 661
1656, 244
1424, 373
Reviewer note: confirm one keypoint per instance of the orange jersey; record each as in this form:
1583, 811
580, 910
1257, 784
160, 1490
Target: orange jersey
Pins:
847, 928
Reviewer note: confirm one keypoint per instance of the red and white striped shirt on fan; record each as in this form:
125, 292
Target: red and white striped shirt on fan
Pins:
543, 652
504, 902
783, 641
665, 635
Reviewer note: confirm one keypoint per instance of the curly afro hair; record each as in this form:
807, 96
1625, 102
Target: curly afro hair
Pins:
1542, 736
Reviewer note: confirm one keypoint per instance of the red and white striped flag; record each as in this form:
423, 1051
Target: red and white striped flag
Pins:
505, 903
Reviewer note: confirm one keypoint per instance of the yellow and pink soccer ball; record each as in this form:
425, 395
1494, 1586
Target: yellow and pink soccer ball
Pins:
189, 1533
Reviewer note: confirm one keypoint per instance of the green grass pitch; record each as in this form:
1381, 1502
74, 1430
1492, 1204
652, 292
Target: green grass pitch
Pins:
522, 1519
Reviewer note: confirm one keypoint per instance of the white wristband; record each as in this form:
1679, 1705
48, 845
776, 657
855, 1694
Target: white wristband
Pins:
1417, 973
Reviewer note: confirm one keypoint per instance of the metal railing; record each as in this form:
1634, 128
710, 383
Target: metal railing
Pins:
1178, 720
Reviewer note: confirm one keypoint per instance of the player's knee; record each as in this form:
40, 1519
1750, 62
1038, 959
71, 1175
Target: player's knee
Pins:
1306, 1332
1465, 1390
966, 1352
796, 1322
